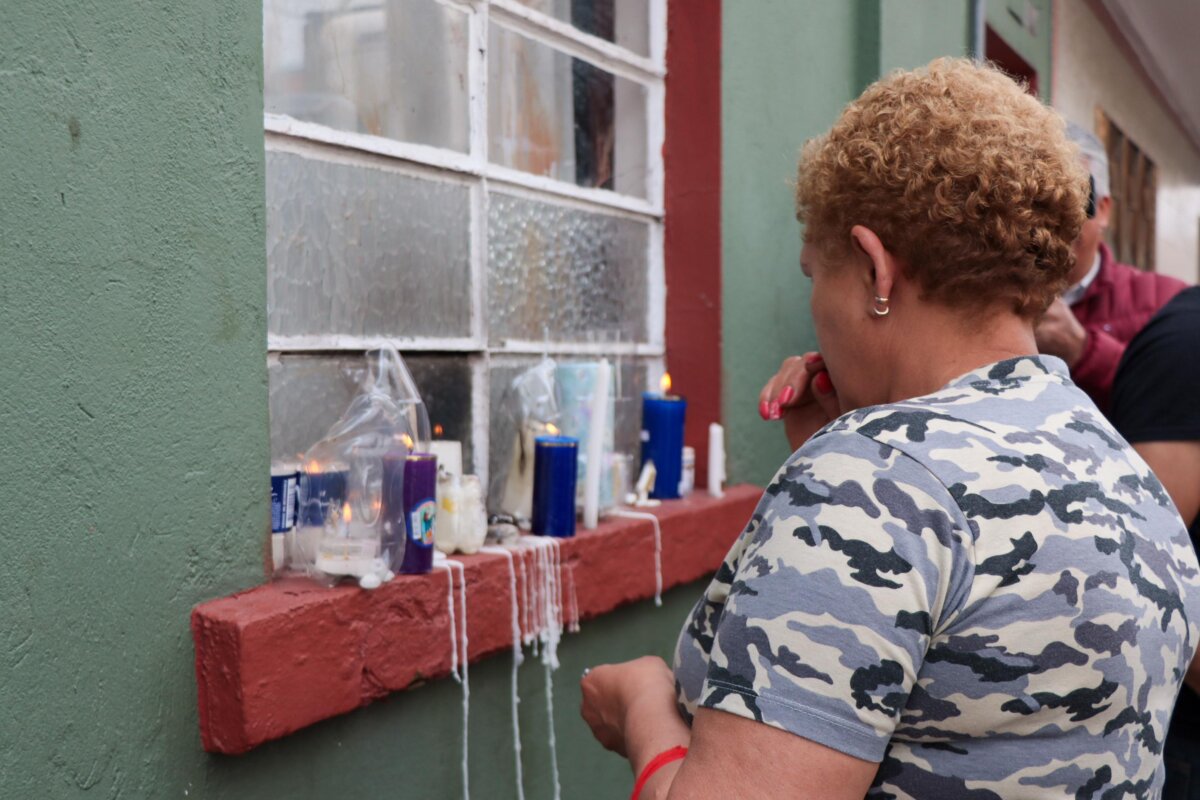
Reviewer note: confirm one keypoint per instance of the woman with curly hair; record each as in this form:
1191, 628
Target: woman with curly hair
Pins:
963, 583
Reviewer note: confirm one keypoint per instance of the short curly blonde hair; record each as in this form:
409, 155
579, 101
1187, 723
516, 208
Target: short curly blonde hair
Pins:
968, 180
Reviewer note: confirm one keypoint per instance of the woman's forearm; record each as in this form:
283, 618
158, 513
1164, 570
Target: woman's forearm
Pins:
652, 726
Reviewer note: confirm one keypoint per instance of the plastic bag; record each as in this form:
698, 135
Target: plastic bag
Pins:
533, 399
352, 516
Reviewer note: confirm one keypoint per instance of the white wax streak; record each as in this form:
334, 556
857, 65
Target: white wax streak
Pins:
440, 563
597, 422
573, 625
517, 658
549, 556
466, 683
630, 513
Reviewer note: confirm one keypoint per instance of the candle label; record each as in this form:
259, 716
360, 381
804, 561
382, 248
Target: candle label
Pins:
421, 520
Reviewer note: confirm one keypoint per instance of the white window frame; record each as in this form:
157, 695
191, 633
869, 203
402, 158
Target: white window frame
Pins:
286, 134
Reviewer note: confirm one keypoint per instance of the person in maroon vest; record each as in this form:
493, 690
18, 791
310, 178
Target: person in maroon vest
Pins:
1107, 302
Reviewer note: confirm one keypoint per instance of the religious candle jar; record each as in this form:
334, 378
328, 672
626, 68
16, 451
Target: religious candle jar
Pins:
662, 439
554, 479
420, 513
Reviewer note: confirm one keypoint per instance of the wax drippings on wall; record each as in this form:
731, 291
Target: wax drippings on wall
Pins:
625, 512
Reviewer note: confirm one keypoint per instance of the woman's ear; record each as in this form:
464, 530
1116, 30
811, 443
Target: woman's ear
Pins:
884, 269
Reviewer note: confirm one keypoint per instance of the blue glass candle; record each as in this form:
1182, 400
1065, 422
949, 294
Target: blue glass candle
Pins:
420, 511
555, 461
321, 491
662, 441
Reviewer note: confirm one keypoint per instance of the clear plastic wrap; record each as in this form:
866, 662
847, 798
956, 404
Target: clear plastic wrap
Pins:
352, 516
533, 399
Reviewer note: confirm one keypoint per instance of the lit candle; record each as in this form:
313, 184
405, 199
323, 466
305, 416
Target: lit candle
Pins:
322, 491
555, 465
448, 452
420, 509
662, 439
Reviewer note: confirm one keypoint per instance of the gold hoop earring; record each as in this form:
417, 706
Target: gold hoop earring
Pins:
881, 309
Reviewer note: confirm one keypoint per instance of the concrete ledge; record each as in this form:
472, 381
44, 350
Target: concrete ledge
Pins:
282, 656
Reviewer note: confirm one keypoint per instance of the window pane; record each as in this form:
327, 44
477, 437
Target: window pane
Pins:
626, 22
551, 114
564, 273
308, 393
395, 68
361, 251
630, 374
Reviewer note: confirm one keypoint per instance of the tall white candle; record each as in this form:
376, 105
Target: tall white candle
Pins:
449, 455
595, 450
716, 459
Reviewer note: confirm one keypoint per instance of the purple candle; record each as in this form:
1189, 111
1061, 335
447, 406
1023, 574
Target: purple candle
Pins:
393, 527
420, 510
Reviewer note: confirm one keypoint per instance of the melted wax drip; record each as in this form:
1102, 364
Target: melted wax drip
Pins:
460, 673
517, 658
631, 514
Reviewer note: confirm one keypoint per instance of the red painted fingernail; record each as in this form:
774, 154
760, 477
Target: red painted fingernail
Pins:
764, 409
823, 383
775, 412
786, 395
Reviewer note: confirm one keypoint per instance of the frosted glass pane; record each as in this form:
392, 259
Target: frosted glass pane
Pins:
564, 273
551, 114
395, 68
308, 393
625, 22
631, 374
364, 251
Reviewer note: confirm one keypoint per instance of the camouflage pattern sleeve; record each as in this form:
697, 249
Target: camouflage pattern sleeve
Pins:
855, 556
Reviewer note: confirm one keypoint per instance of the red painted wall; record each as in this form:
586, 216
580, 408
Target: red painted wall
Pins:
692, 244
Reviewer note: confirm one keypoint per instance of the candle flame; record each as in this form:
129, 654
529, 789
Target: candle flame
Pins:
408, 441
437, 431
665, 383
552, 428
313, 468
346, 515
376, 504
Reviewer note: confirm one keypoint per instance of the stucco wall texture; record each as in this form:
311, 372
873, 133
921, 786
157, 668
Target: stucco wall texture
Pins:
132, 378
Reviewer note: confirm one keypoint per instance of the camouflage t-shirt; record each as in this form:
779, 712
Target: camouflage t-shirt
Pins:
985, 589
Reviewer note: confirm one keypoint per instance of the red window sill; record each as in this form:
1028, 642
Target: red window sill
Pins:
282, 656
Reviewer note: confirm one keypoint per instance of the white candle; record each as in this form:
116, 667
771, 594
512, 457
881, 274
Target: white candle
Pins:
449, 455
472, 517
716, 459
595, 446
445, 525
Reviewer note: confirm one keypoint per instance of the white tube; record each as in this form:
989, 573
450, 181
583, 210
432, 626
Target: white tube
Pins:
595, 446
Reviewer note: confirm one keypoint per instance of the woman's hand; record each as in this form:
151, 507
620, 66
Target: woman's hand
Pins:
611, 691
802, 395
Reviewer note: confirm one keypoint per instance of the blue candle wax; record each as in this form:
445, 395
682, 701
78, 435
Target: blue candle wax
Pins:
555, 460
662, 441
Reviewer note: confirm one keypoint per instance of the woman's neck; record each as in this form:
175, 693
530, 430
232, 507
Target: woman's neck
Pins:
940, 345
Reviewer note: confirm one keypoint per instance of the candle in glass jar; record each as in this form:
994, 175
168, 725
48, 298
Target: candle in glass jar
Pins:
554, 477
420, 510
662, 439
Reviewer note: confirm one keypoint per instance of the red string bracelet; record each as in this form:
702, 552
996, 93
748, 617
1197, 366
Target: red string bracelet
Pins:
657, 763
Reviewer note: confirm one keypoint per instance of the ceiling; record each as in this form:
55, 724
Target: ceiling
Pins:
1163, 35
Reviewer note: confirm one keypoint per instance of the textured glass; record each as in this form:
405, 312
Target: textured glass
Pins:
551, 114
308, 393
625, 22
394, 68
564, 273
363, 251
631, 382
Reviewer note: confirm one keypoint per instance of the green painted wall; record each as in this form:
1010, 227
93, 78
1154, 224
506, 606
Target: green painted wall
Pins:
133, 395
789, 66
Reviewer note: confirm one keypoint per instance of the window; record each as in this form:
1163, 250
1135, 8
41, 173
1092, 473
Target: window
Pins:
475, 182
1134, 195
